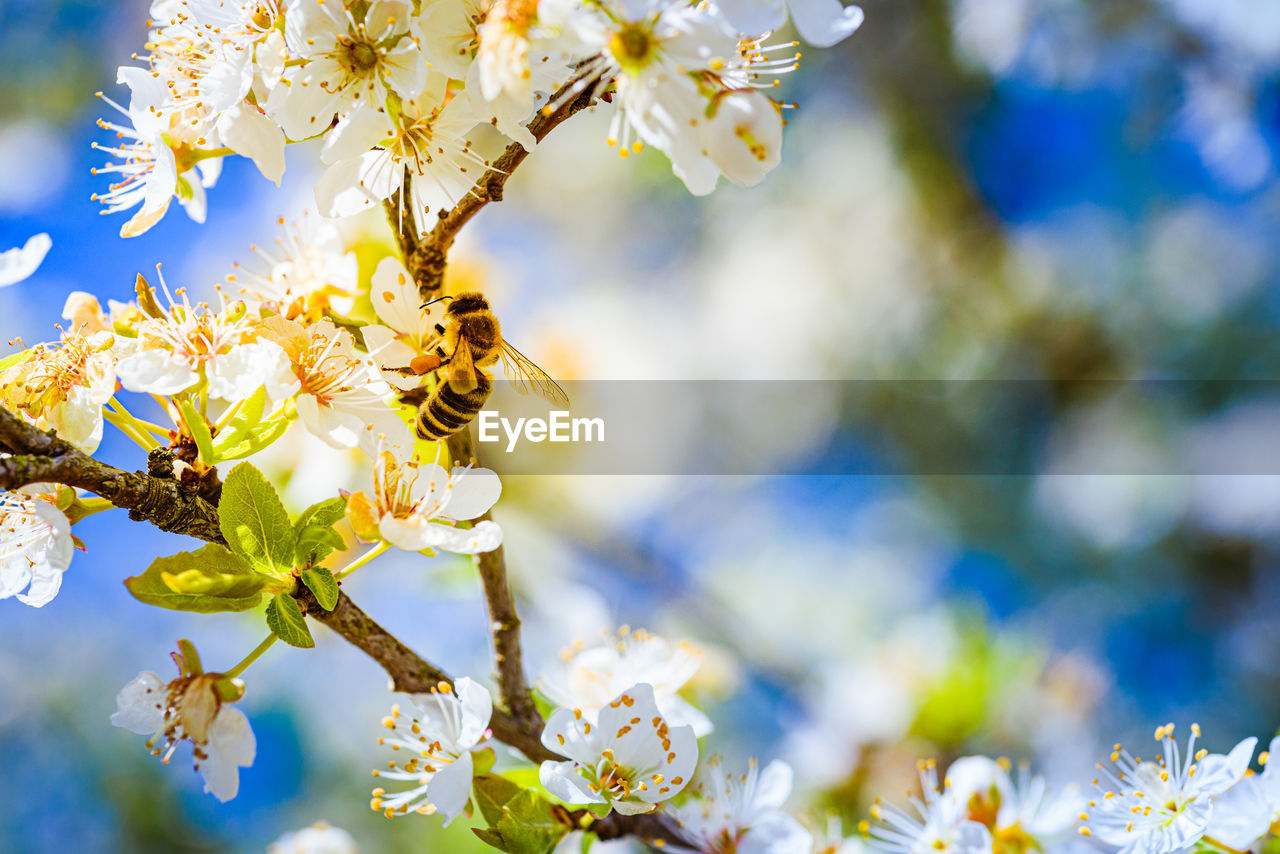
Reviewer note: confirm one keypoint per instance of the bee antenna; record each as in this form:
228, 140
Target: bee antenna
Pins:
433, 302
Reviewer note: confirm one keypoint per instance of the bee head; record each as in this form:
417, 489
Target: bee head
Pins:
462, 303
467, 303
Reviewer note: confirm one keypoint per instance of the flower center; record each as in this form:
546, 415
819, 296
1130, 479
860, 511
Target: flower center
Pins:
360, 58
632, 46
262, 17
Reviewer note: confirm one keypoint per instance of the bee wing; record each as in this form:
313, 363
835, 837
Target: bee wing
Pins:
462, 368
528, 377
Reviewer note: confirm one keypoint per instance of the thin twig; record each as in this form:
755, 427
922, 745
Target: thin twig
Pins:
426, 255
504, 622
411, 673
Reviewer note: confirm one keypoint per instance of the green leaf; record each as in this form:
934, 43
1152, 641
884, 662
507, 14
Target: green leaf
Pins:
520, 820
492, 791
254, 522
529, 825
255, 440
314, 536
198, 428
490, 837
287, 622
205, 581
323, 586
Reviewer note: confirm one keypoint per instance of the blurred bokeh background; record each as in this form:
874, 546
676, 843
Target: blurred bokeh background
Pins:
1050, 192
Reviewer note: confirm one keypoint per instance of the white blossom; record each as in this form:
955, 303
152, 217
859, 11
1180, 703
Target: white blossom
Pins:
20, 262
629, 758
309, 267
937, 822
437, 732
740, 813
35, 546
1009, 808
189, 708
1163, 806
319, 838
341, 397
347, 62
172, 353
1246, 811
63, 385
370, 153
590, 677
417, 506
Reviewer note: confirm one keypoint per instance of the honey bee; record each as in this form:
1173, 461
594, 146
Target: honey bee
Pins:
470, 342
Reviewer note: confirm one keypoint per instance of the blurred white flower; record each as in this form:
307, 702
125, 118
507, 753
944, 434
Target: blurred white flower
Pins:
439, 733
1013, 809
940, 822
820, 22
589, 678
1246, 811
35, 546
629, 759
415, 506
20, 262
740, 812
1163, 806
319, 838
310, 266
190, 708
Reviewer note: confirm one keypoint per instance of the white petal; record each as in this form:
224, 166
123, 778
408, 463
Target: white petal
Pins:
481, 537
775, 832
231, 745
1242, 814
395, 297
744, 137
477, 709
1217, 773
249, 133
774, 785
564, 734
140, 704
351, 186
753, 17
450, 787
471, 493
245, 368
356, 134
822, 23
156, 371
20, 262
562, 780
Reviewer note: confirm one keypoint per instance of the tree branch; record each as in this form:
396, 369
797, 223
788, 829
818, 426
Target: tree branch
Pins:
41, 457
504, 622
173, 506
426, 255
409, 672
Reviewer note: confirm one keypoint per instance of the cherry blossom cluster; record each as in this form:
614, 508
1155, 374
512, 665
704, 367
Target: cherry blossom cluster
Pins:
232, 377
400, 88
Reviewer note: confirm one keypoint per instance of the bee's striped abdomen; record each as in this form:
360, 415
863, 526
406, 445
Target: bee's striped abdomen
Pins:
447, 411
